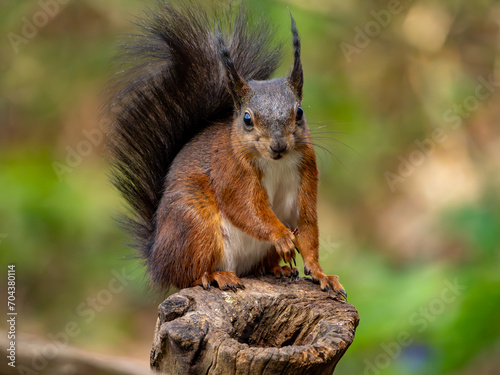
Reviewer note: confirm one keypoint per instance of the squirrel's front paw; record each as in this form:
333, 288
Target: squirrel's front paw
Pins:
330, 282
285, 247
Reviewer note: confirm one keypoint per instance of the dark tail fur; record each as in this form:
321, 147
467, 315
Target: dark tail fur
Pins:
171, 87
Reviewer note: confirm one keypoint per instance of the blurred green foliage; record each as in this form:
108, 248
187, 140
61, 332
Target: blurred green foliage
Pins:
396, 246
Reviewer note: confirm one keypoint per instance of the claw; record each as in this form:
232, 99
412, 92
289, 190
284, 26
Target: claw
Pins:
297, 250
294, 262
327, 289
204, 281
343, 295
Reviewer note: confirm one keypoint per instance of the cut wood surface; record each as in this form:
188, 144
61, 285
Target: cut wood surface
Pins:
271, 327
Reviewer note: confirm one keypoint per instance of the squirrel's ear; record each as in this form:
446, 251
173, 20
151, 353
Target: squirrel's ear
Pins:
237, 86
296, 77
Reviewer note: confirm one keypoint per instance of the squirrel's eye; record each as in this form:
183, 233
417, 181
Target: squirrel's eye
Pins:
247, 119
299, 114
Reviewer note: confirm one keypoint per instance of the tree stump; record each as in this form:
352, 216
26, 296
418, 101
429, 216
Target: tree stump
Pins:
271, 327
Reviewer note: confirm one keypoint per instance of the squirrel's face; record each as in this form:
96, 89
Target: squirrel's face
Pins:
270, 122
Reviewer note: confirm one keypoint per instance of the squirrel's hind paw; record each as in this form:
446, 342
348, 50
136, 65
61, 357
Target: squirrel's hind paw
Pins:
328, 283
287, 271
223, 279
331, 282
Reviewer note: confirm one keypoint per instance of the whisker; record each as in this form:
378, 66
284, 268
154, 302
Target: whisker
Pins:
328, 123
306, 141
336, 140
327, 132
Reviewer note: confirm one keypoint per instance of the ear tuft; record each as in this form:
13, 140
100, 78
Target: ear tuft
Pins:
236, 84
296, 77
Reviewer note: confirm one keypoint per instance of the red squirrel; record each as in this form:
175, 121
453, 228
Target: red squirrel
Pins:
215, 159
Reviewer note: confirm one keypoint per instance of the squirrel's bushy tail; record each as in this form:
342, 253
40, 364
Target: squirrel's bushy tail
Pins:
172, 86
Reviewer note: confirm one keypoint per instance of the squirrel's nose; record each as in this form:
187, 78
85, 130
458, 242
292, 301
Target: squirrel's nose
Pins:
278, 147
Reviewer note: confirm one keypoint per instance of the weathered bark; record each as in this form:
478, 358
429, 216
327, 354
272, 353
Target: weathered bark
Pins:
271, 327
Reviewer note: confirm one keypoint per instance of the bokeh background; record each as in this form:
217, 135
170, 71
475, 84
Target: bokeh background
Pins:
403, 98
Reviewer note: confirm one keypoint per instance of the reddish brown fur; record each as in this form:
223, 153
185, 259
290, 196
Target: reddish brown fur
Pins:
199, 186
215, 181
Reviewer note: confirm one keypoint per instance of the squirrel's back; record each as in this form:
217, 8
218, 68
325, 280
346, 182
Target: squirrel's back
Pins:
171, 87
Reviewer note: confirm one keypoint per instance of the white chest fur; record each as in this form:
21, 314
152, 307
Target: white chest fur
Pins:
281, 180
